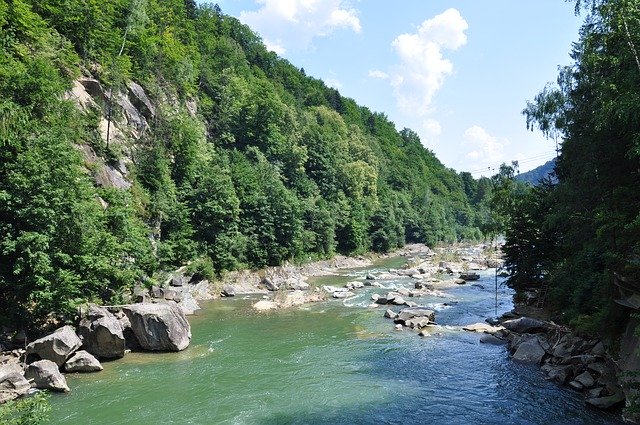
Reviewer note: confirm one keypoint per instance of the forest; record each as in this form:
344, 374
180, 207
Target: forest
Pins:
242, 160
579, 234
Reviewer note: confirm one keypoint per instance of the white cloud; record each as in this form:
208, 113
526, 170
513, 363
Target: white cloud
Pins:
432, 127
294, 23
332, 82
375, 73
423, 67
276, 47
484, 149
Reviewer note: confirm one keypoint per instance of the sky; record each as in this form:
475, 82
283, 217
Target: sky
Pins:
456, 72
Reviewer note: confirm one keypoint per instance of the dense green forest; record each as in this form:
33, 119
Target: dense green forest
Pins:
577, 234
241, 161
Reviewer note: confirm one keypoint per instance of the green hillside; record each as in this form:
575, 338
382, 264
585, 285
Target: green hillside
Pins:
141, 135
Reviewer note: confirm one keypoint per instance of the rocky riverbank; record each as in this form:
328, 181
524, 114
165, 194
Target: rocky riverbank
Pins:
102, 334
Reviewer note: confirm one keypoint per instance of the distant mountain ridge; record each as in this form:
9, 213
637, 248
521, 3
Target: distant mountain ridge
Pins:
534, 176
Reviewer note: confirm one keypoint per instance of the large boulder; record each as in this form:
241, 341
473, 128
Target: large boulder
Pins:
13, 384
82, 362
57, 346
608, 402
530, 351
159, 327
46, 376
525, 325
101, 334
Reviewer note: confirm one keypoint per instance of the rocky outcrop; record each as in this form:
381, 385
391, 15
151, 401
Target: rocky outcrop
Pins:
46, 376
101, 334
159, 327
526, 325
415, 318
82, 362
56, 347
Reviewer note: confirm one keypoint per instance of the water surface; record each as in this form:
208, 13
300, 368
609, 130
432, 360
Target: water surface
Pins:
337, 362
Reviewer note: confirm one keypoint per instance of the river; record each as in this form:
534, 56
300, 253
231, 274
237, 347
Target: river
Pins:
335, 362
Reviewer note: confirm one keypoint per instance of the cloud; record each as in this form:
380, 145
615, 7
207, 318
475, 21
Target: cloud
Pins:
292, 24
432, 127
484, 149
375, 73
423, 67
332, 82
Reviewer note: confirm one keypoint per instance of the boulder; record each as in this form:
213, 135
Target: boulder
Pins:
354, 285
459, 281
265, 305
598, 349
492, 340
418, 322
608, 402
370, 276
228, 291
576, 385
159, 327
529, 351
559, 374
102, 334
390, 314
299, 285
57, 346
12, 386
407, 314
342, 294
525, 325
585, 379
482, 327
82, 362
46, 376
177, 281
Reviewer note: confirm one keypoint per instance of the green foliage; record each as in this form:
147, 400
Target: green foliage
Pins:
575, 235
33, 410
245, 160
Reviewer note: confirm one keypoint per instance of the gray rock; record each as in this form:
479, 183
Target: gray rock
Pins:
228, 291
418, 322
354, 285
585, 379
159, 327
270, 285
416, 312
529, 351
370, 276
492, 340
12, 386
299, 285
177, 281
188, 304
390, 314
609, 402
525, 325
156, 292
398, 301
46, 376
411, 304
342, 294
598, 349
57, 346
576, 385
82, 362
140, 100
459, 281
102, 334
559, 374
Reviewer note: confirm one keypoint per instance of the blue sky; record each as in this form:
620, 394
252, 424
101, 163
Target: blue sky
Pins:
456, 72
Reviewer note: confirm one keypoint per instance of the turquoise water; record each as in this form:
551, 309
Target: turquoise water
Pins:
336, 362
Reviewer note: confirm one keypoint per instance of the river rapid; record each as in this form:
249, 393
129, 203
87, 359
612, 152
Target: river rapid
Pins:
335, 362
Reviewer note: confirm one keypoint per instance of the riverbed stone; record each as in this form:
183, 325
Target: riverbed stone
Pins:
228, 291
102, 334
585, 379
482, 327
492, 340
82, 362
159, 327
529, 351
609, 402
46, 376
525, 325
57, 346
407, 314
390, 314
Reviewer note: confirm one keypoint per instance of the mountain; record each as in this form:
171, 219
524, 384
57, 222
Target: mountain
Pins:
138, 137
534, 176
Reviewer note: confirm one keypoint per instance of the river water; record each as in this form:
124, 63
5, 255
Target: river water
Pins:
336, 362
